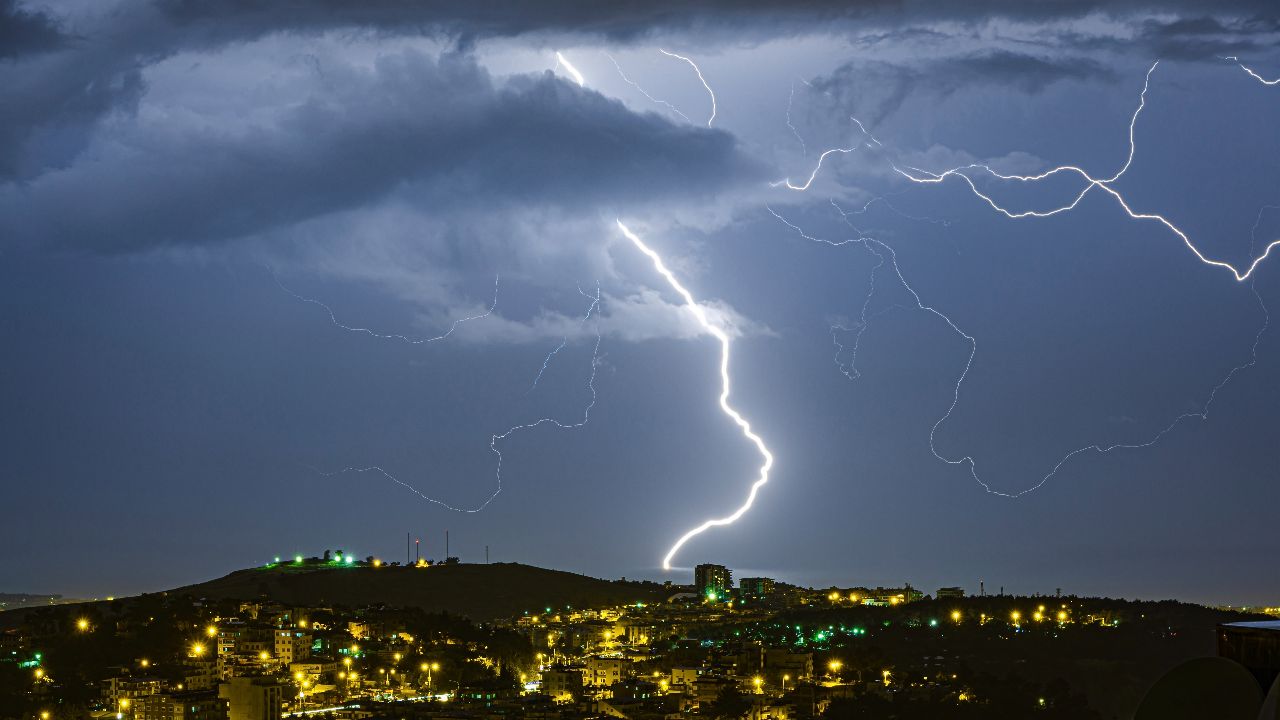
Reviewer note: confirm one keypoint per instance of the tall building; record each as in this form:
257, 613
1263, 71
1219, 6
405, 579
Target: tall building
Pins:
756, 587
252, 698
712, 581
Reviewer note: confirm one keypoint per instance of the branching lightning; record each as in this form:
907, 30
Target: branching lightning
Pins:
496, 439
643, 92
719, 334
701, 79
844, 151
1251, 72
1104, 184
569, 68
790, 101
333, 318
886, 254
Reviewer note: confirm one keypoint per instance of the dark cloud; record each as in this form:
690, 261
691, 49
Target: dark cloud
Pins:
221, 20
874, 90
441, 131
47, 107
24, 31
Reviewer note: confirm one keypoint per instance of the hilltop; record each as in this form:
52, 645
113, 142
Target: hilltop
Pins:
480, 592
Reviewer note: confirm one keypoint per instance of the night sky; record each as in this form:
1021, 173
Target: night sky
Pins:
236, 239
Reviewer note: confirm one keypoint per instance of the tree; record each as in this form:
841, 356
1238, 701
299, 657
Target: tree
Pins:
730, 704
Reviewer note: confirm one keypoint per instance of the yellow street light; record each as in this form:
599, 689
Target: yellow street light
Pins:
124, 703
1062, 616
264, 656
956, 615
835, 666
1016, 616
757, 681
197, 649
211, 631
397, 656
144, 662
82, 624
39, 673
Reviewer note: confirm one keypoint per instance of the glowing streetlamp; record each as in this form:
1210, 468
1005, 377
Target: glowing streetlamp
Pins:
834, 666
82, 624
956, 615
758, 681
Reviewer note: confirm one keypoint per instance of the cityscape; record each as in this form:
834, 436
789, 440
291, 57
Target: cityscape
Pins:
639, 359
756, 648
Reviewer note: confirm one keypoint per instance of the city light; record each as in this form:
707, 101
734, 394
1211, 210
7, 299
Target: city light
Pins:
956, 615
197, 649
82, 624
211, 631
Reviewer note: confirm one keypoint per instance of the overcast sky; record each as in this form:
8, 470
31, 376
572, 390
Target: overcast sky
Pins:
251, 250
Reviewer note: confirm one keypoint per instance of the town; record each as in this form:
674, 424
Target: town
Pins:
755, 648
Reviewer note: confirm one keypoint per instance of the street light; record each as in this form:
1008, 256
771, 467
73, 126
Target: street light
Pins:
835, 666
82, 624
785, 678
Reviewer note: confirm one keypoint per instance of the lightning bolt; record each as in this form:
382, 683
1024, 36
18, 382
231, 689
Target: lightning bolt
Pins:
563, 62
1255, 75
701, 315
643, 92
496, 439
701, 79
1104, 184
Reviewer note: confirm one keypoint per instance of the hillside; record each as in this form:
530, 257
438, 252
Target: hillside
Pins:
480, 592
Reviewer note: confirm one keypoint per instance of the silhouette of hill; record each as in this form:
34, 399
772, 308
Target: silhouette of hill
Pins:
480, 592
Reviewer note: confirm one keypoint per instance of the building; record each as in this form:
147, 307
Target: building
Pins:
684, 677
252, 698
181, 706
605, 671
127, 691
292, 646
560, 681
712, 581
950, 592
755, 587
1255, 645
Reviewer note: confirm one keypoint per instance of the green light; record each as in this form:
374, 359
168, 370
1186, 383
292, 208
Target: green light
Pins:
277, 558
933, 623
297, 558
350, 559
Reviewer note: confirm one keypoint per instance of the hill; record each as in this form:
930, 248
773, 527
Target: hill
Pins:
481, 592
